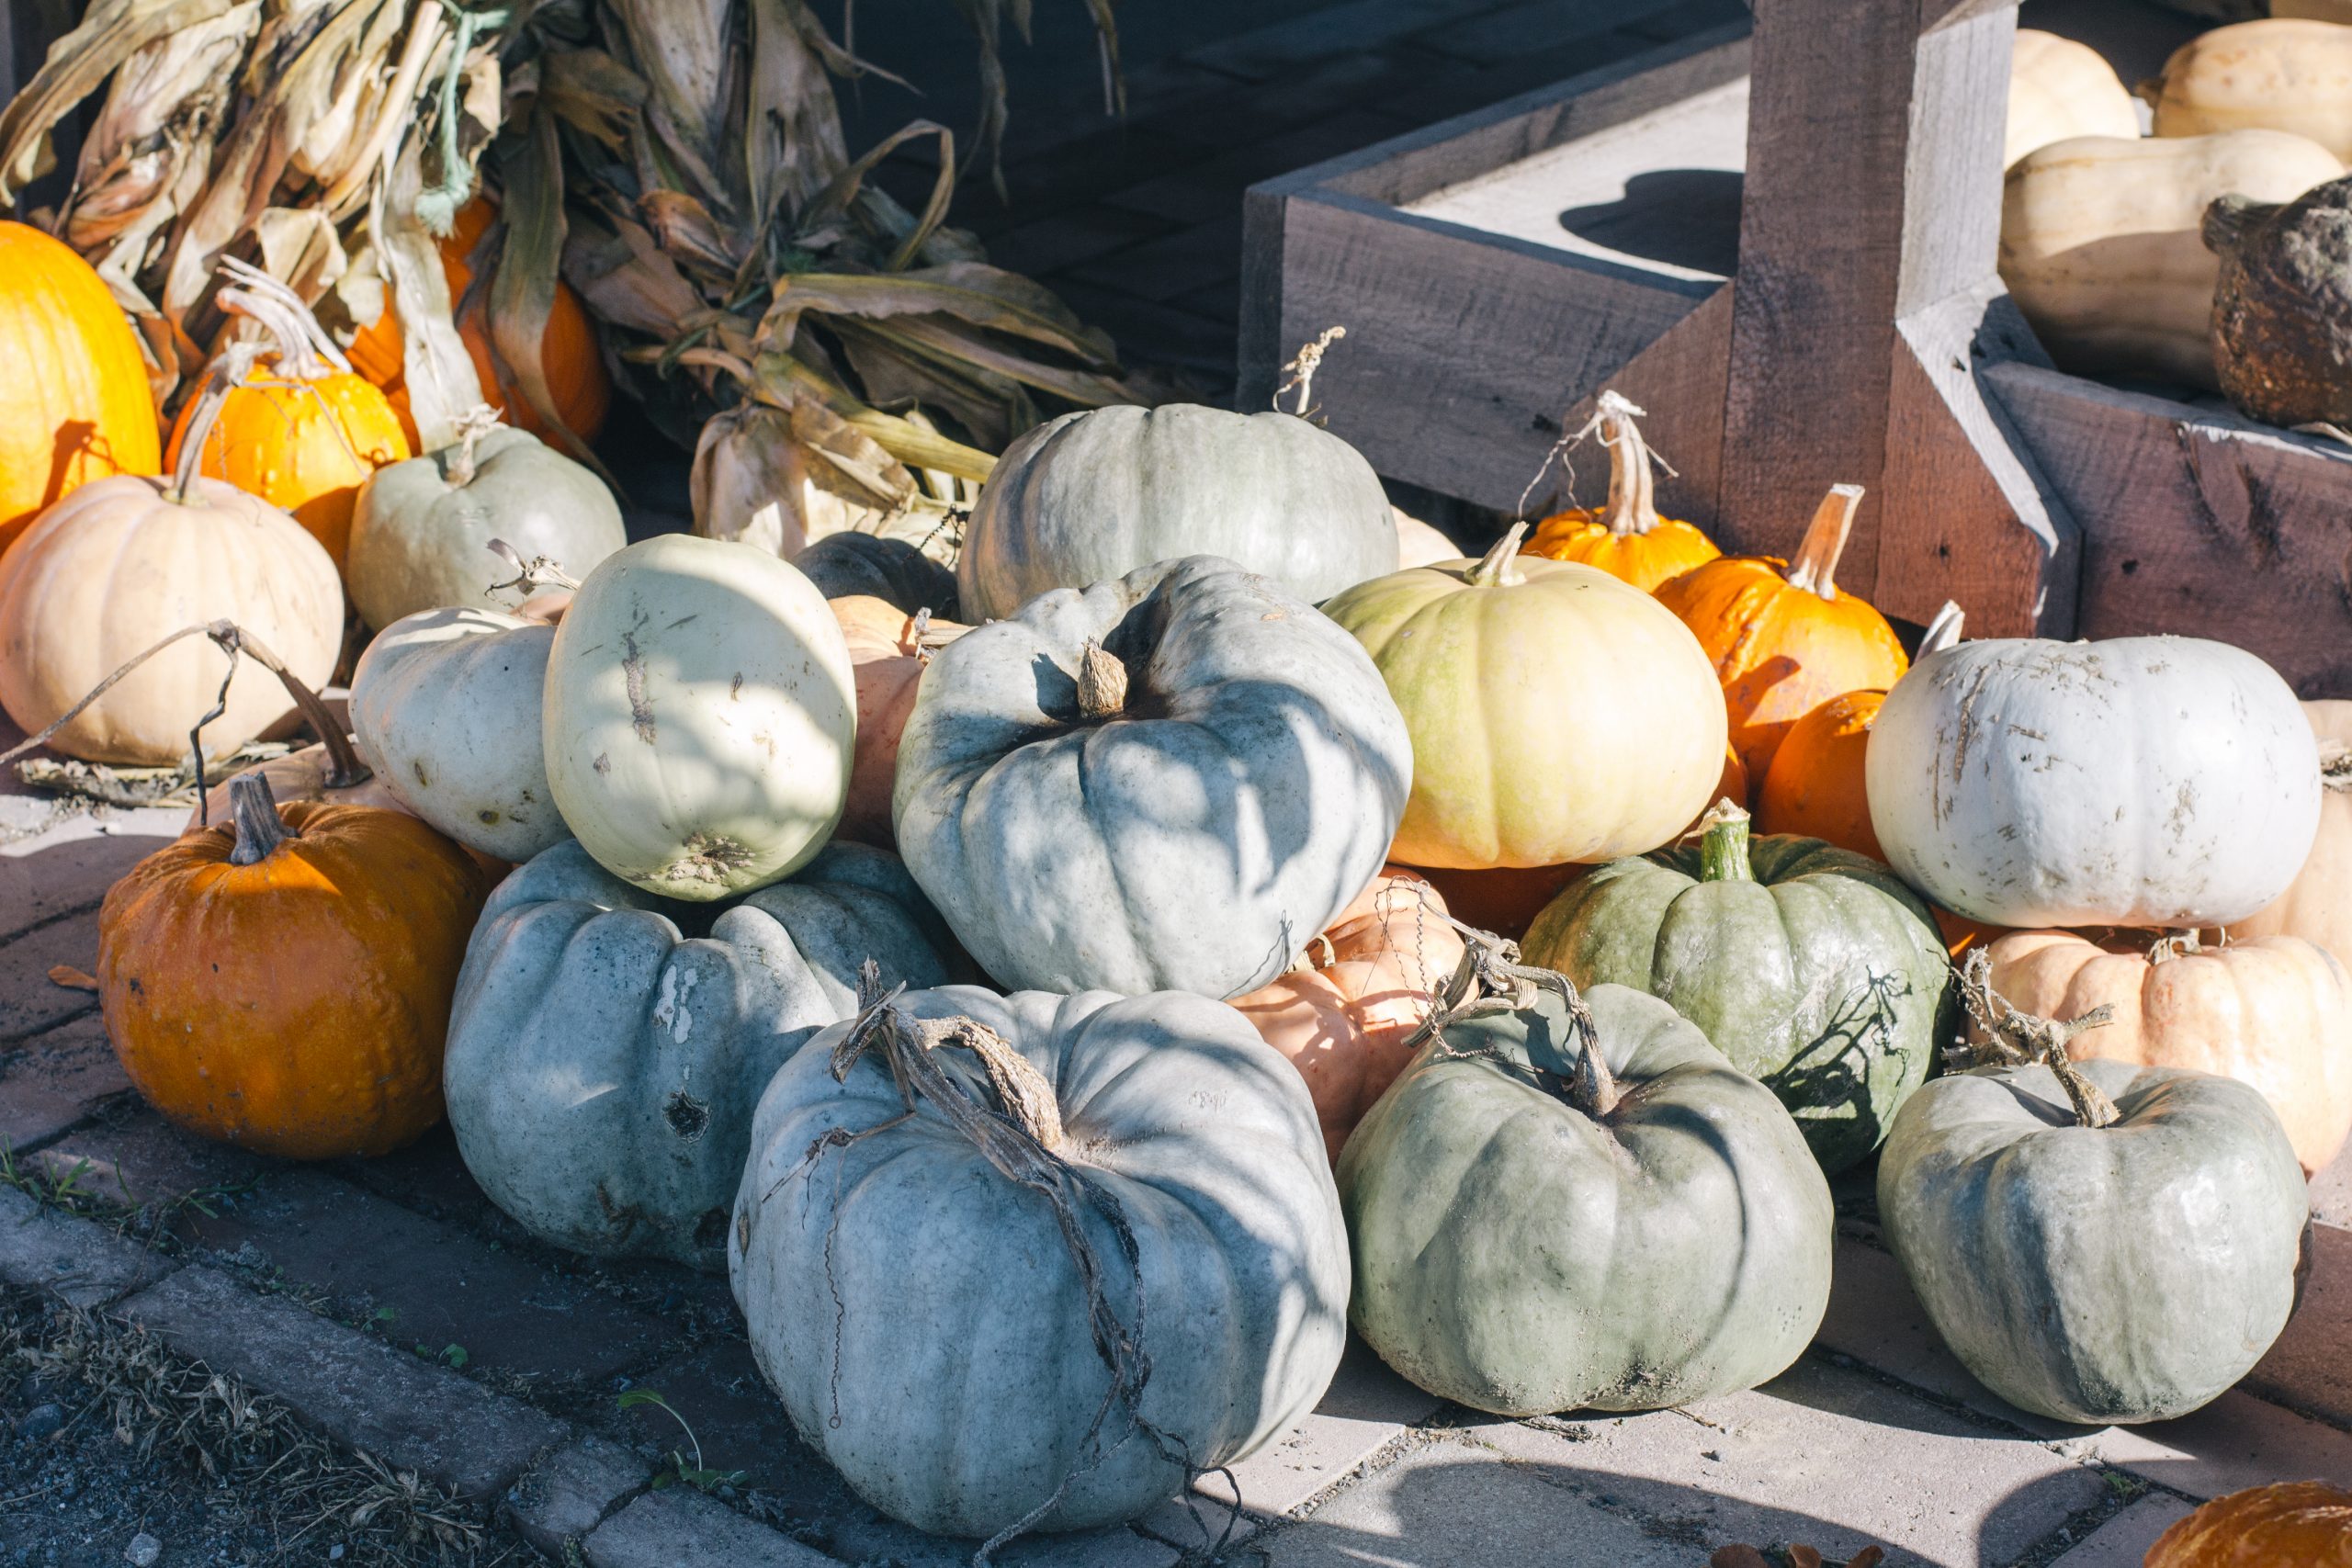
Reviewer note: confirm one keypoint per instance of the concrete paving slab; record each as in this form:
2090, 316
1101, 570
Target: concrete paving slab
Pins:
679, 1528
408, 1412
2310, 1369
85, 1264
2235, 1442
51, 1082
1365, 1408
2123, 1540
567, 1495
1822, 1456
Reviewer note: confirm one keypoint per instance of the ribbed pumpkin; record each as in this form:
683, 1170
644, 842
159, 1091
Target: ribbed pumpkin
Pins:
888, 650
1627, 538
75, 405
568, 348
2293, 1524
123, 562
1816, 787
1783, 640
251, 993
2274, 1013
1557, 714
2318, 906
1346, 1015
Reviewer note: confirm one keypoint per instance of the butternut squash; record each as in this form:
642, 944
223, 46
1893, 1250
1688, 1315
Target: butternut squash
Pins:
2287, 74
2060, 89
2101, 242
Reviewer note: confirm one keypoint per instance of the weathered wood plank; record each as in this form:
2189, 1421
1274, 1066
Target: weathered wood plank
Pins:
2198, 523
1678, 382
1463, 350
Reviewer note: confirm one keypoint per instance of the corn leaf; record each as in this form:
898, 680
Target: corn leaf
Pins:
594, 93
522, 292
439, 373
793, 132
111, 32
971, 291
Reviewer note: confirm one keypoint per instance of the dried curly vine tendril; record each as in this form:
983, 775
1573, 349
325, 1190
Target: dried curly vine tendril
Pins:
1491, 979
2013, 1037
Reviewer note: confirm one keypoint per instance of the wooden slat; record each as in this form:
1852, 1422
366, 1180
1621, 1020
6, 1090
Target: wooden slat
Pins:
1678, 382
1463, 350
2198, 523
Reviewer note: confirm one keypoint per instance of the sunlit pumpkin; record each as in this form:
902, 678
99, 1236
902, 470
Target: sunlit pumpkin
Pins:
1816, 787
1626, 538
76, 405
1345, 1017
1783, 640
568, 348
2318, 906
249, 988
888, 650
2292, 1524
297, 428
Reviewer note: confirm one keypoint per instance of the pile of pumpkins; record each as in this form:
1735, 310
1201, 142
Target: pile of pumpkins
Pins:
2207, 254
1063, 957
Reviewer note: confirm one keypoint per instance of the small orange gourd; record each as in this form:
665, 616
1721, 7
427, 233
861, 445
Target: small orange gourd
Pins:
2292, 1524
888, 650
1815, 788
1784, 640
283, 982
1626, 538
74, 403
297, 428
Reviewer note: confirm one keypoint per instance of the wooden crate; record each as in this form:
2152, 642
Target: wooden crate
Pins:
1798, 284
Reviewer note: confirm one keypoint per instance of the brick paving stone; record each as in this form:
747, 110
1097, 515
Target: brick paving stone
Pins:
1117, 1546
1283, 48
1120, 157
1366, 1406
1442, 94
445, 1286
431, 1177
1217, 302
135, 1158
1247, 114
1822, 1455
680, 1529
52, 1081
572, 1491
29, 1001
1211, 190
85, 1264
2123, 1540
1175, 264
1072, 238
1156, 335
1680, 21
1516, 31
69, 866
405, 1411
2308, 1368
1449, 1504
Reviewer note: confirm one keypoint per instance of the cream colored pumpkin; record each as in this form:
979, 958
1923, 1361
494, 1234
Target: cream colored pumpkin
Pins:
2318, 907
2275, 1013
2282, 75
699, 716
1418, 543
2101, 242
2060, 89
117, 565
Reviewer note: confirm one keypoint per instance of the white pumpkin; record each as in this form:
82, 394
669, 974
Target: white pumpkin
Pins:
2155, 781
699, 717
445, 709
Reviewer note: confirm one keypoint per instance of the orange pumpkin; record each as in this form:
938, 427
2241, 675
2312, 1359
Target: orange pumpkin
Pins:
2274, 1013
1783, 639
569, 353
297, 428
1815, 788
2292, 1524
2317, 906
887, 649
76, 405
1627, 538
1345, 1016
1960, 934
283, 982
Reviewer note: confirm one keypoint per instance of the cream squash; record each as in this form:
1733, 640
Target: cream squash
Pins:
2318, 906
2285, 73
2060, 89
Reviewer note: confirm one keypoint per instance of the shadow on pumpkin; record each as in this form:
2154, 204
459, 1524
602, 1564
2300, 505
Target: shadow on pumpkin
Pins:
1830, 1076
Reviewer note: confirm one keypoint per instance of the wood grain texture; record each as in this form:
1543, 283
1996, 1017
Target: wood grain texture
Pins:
1970, 516
1463, 350
2198, 522
1678, 382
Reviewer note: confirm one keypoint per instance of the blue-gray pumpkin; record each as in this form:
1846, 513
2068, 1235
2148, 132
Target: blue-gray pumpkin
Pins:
1167, 782
1531, 1235
1812, 967
918, 1300
2118, 1273
1102, 492
607, 1046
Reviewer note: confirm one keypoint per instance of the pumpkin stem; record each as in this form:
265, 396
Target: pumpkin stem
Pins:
2335, 766
1632, 483
219, 382
1303, 368
2173, 944
1490, 978
345, 767
2013, 1037
1825, 541
1723, 847
259, 827
1499, 567
1102, 682
458, 464
1943, 632
532, 575
302, 350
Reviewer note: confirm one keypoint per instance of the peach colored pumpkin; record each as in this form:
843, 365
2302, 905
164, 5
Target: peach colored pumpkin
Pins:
2317, 906
2289, 1524
1343, 1018
2274, 1013
888, 650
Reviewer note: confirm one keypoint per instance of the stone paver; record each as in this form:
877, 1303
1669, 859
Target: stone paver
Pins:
139, 1159
572, 1491
1822, 1456
2332, 1191
85, 1264
68, 867
681, 1528
443, 1286
2123, 1540
29, 1001
1366, 1406
406, 1410
2309, 1368
52, 1081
